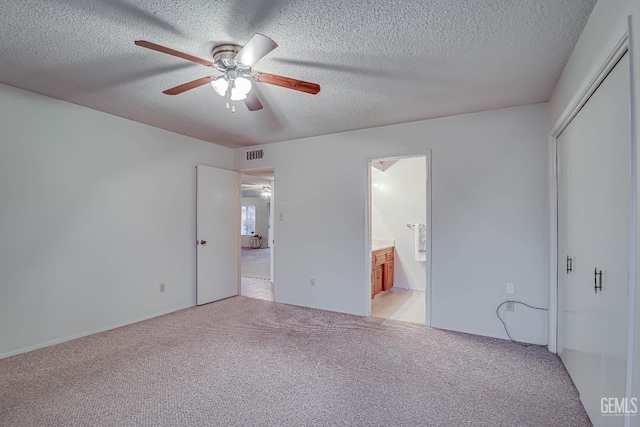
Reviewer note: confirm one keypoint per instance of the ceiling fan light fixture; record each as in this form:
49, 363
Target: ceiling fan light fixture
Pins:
237, 96
243, 85
220, 85
240, 89
266, 192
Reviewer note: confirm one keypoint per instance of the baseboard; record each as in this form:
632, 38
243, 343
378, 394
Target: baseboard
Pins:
489, 335
95, 331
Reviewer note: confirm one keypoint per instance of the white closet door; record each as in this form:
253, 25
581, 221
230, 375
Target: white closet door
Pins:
566, 257
581, 320
612, 210
593, 228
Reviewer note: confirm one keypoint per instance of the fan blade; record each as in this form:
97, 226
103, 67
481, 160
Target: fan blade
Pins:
253, 102
287, 82
188, 86
173, 52
255, 49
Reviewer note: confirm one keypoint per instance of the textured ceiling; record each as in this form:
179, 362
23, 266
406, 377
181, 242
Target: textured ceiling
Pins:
378, 62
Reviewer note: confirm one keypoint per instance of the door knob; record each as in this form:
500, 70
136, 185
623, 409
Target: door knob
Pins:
203, 242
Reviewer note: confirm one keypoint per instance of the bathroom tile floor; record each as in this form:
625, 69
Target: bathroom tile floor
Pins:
400, 304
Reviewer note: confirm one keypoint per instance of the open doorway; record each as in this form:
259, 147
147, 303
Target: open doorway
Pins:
256, 234
400, 238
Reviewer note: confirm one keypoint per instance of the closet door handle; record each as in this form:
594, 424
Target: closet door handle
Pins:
569, 264
597, 280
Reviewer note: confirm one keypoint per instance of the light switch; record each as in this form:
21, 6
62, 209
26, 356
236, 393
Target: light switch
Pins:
511, 288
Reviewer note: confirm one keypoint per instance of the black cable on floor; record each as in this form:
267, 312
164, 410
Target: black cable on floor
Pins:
505, 325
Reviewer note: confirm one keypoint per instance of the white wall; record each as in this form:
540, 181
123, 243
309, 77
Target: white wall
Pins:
96, 211
262, 220
489, 216
398, 198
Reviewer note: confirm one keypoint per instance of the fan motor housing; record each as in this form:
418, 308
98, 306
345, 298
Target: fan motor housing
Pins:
224, 57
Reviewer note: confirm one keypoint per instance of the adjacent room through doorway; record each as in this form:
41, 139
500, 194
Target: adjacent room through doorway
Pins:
399, 238
256, 235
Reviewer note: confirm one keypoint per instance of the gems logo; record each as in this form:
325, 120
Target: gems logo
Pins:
613, 406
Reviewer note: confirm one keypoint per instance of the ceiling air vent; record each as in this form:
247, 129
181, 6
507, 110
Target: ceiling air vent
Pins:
255, 154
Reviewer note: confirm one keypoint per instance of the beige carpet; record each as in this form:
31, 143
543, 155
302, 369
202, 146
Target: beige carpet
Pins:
248, 362
255, 263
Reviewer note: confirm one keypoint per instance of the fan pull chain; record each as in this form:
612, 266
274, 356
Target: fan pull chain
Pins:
229, 93
232, 85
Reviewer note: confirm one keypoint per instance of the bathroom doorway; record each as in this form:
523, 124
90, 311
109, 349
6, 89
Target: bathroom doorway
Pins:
400, 237
256, 235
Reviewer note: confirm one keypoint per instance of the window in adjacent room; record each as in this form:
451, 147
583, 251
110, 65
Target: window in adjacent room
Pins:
248, 220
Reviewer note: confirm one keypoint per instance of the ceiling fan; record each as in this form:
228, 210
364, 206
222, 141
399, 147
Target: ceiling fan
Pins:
262, 189
235, 63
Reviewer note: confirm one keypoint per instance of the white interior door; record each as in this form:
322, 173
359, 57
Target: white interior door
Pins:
218, 242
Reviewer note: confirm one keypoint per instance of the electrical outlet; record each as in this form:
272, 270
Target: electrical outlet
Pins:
312, 282
281, 216
162, 287
511, 306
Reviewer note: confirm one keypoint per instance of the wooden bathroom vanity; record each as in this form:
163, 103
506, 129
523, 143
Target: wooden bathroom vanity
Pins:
381, 269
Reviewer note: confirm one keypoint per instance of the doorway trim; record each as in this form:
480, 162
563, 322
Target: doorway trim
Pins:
633, 344
272, 262
367, 229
